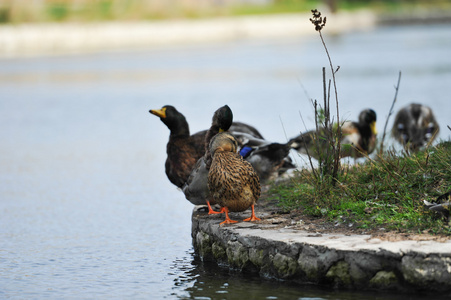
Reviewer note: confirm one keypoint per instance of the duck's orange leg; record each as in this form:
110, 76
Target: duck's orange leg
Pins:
253, 217
211, 211
227, 219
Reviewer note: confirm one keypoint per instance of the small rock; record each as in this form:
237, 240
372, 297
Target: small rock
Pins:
368, 210
315, 235
277, 220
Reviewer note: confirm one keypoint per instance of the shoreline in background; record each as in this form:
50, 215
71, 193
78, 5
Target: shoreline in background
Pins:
30, 40
69, 38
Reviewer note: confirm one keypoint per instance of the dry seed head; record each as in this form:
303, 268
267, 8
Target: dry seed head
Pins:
318, 21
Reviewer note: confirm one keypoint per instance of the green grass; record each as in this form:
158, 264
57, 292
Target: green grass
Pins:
124, 10
387, 192
277, 7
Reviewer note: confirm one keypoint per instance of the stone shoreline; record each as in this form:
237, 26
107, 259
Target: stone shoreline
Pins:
66, 38
336, 260
19, 40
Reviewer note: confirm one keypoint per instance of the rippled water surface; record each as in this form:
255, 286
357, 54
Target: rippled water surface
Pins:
86, 210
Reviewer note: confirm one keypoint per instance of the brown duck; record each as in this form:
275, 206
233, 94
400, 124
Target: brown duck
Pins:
196, 187
232, 181
183, 149
358, 138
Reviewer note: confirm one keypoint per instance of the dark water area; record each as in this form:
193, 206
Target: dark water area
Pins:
208, 281
86, 210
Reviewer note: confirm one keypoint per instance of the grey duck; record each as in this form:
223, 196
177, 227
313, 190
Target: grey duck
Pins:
441, 205
415, 126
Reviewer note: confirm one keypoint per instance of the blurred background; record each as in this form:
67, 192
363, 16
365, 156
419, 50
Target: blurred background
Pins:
86, 210
17, 11
66, 26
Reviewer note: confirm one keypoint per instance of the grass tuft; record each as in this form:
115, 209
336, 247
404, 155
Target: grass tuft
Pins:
387, 192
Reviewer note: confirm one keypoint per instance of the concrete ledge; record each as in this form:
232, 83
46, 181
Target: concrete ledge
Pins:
337, 260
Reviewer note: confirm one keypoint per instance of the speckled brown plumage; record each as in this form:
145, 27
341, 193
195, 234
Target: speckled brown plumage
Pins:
183, 149
196, 188
232, 181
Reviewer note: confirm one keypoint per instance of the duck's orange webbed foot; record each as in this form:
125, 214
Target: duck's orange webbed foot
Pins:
212, 212
227, 219
253, 217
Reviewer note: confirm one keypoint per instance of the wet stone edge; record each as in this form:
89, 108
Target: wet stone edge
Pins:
306, 263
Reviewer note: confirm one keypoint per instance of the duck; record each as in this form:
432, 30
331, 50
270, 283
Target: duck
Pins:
247, 129
415, 126
195, 188
441, 205
358, 138
184, 150
270, 160
267, 158
232, 181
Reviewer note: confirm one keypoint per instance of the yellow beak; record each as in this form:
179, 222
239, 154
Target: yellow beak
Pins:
373, 128
159, 112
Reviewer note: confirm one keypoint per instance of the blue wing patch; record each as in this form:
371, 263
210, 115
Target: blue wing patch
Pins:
245, 151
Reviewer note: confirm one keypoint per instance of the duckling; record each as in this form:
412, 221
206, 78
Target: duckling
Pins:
183, 149
415, 126
358, 138
196, 187
232, 181
441, 205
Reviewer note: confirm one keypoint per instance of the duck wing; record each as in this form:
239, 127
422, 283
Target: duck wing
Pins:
268, 159
195, 188
245, 128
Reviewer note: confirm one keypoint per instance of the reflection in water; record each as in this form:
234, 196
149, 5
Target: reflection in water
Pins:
195, 279
205, 280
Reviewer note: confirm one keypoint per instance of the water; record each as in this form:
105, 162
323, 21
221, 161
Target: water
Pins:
86, 210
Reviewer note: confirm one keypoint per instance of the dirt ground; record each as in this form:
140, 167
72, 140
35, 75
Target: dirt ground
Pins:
272, 214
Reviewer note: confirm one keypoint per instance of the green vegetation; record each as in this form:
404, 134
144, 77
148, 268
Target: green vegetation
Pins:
12, 11
387, 191
276, 7
126, 10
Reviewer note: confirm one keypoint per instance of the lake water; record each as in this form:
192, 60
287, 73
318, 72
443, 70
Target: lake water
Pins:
86, 210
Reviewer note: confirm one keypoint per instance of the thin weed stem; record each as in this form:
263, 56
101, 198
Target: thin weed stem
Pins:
332, 159
381, 150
